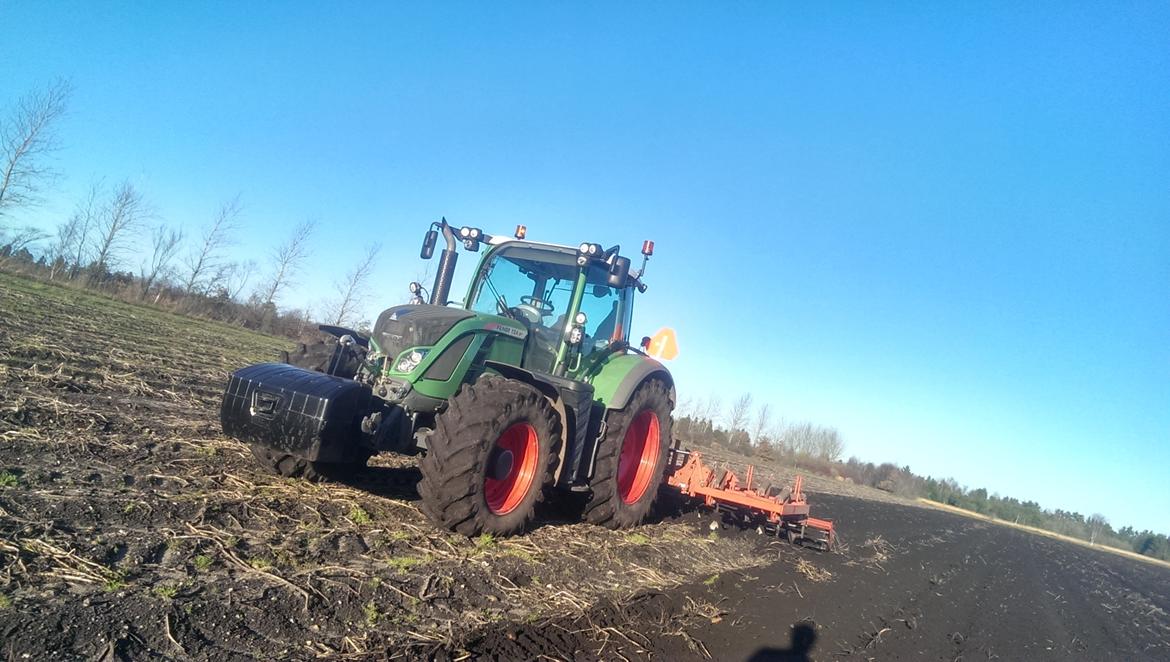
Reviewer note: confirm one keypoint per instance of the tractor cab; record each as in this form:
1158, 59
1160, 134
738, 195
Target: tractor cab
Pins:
570, 311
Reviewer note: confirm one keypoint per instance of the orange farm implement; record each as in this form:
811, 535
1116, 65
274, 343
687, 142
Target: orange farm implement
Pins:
777, 511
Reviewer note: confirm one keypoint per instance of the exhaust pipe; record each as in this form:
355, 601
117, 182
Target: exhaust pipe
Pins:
446, 267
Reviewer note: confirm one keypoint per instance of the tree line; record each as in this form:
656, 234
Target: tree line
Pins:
754, 432
115, 240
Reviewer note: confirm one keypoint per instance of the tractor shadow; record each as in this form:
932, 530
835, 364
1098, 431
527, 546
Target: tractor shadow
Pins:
401, 484
398, 483
803, 638
672, 505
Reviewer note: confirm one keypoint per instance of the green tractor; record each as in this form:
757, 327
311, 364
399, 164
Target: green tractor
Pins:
527, 389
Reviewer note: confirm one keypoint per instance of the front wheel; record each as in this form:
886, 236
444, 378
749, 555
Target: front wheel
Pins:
631, 459
493, 451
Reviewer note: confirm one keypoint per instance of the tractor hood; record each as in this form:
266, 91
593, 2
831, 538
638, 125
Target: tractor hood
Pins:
412, 325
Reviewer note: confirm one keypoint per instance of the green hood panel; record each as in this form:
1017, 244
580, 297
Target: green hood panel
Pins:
405, 326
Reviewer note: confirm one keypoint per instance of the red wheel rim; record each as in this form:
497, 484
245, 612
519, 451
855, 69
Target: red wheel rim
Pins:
639, 457
511, 468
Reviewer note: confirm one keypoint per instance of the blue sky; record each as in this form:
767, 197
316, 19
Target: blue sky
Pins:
943, 229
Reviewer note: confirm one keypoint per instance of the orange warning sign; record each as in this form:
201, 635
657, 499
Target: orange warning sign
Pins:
663, 345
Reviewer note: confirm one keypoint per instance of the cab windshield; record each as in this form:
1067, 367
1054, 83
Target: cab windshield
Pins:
532, 285
535, 285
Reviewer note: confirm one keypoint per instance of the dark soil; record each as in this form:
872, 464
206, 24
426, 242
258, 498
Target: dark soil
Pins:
131, 529
908, 583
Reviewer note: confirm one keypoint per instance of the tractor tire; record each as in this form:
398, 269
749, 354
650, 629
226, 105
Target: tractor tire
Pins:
493, 452
291, 466
631, 459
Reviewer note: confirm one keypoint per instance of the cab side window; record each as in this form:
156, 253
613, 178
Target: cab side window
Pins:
603, 308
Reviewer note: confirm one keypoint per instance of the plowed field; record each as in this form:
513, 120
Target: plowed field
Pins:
130, 528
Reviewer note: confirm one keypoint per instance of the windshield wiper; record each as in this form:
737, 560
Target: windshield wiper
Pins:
500, 301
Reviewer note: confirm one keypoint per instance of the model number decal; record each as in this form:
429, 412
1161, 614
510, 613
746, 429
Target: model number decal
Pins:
510, 330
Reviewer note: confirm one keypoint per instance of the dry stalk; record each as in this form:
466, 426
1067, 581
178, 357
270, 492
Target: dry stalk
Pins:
236, 561
813, 573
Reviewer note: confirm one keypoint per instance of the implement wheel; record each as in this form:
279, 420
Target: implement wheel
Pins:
492, 453
631, 459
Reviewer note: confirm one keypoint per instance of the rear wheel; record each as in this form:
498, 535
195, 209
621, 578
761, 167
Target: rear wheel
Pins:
631, 459
291, 466
492, 453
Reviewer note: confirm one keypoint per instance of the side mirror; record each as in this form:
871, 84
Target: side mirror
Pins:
619, 272
428, 247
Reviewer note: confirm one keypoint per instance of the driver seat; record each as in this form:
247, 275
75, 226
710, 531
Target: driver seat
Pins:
608, 326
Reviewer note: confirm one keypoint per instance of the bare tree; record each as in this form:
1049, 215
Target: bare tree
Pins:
165, 242
68, 234
737, 416
763, 419
1097, 524
351, 292
24, 238
206, 257
711, 409
799, 438
809, 439
68, 250
27, 139
776, 434
828, 444
88, 211
286, 260
125, 212
237, 277
20, 240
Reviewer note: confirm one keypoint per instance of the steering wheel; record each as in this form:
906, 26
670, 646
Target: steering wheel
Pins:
544, 308
533, 309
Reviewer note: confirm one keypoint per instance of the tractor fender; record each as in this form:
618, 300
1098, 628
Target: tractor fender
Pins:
529, 377
622, 374
552, 392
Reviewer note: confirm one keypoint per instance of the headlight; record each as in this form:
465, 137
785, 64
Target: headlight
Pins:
410, 361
